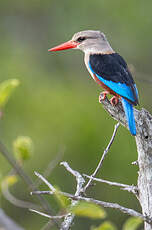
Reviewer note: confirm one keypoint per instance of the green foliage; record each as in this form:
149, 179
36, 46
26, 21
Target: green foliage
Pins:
10, 180
23, 148
87, 209
58, 102
132, 223
6, 89
105, 226
62, 200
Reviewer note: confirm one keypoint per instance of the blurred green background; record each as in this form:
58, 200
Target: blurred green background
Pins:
57, 101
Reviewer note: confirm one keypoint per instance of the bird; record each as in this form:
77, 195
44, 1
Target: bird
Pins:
108, 69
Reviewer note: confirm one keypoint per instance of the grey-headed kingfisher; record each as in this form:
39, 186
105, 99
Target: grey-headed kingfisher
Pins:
108, 69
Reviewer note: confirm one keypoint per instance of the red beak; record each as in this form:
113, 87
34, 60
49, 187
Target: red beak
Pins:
67, 45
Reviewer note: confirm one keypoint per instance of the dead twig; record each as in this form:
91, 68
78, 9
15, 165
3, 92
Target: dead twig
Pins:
66, 224
102, 157
46, 215
125, 210
18, 169
126, 187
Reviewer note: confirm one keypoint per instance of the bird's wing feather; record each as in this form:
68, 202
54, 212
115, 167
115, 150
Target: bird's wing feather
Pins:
112, 70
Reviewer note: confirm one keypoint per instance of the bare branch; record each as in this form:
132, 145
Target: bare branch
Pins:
21, 173
46, 215
41, 193
129, 188
125, 210
80, 181
104, 204
51, 166
102, 158
66, 224
45, 181
18, 169
144, 147
78, 176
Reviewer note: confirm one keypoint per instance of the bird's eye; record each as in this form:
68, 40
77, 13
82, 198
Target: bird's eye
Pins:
81, 39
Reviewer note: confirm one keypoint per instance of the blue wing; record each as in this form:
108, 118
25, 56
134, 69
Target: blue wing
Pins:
112, 70
120, 88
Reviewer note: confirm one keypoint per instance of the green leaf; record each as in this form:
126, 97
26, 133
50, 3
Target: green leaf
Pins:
105, 226
10, 180
132, 223
88, 209
62, 200
23, 148
6, 89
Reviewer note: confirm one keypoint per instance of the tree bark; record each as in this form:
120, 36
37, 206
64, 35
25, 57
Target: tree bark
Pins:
144, 148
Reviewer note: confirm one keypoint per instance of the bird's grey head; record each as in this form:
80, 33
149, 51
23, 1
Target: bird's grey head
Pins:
92, 41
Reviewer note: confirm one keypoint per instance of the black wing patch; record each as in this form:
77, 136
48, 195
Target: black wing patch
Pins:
113, 67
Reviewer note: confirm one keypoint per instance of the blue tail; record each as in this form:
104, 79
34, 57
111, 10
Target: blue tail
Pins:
128, 108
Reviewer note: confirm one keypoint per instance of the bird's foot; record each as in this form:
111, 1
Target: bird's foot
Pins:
102, 96
114, 100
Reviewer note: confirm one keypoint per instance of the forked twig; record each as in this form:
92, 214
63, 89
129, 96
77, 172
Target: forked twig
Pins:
125, 210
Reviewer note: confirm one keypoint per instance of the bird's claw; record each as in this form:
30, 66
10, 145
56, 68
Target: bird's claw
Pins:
102, 96
114, 101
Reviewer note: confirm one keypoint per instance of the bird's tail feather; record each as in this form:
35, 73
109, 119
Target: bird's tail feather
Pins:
128, 108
